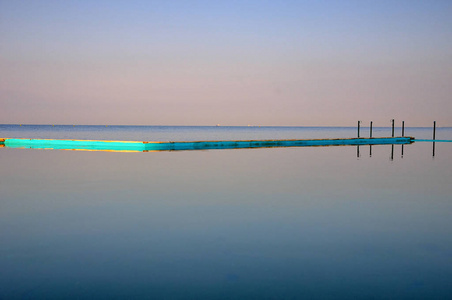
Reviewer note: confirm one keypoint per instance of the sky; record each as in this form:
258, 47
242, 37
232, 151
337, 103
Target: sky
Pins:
282, 63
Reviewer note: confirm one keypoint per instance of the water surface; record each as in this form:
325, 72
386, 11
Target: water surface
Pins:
226, 224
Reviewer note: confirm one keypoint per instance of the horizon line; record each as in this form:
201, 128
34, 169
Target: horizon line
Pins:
218, 125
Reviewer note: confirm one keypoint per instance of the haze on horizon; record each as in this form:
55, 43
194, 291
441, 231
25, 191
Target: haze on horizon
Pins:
292, 63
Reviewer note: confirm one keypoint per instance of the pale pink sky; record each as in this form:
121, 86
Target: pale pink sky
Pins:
231, 63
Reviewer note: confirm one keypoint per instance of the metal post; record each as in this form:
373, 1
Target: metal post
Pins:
370, 135
434, 137
403, 133
358, 127
434, 130
392, 127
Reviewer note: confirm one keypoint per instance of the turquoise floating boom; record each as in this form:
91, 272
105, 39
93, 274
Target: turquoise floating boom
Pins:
140, 146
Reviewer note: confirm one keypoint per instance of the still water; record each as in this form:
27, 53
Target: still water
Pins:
276, 223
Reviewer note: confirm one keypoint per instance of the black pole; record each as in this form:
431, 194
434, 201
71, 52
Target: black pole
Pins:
403, 133
358, 127
392, 127
434, 137
434, 129
370, 135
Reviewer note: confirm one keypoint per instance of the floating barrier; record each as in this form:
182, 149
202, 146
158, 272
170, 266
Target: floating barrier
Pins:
142, 146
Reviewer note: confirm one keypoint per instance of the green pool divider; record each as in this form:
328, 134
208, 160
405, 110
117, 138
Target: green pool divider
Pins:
75, 144
141, 146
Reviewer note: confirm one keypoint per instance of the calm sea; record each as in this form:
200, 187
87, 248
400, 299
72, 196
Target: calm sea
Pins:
273, 223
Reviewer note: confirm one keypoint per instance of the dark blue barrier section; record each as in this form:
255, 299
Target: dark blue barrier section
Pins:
138, 146
206, 145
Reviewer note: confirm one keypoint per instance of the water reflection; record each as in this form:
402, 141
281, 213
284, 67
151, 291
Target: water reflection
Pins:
402, 153
124, 146
281, 223
392, 152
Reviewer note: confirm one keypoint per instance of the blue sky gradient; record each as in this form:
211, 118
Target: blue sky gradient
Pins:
226, 62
